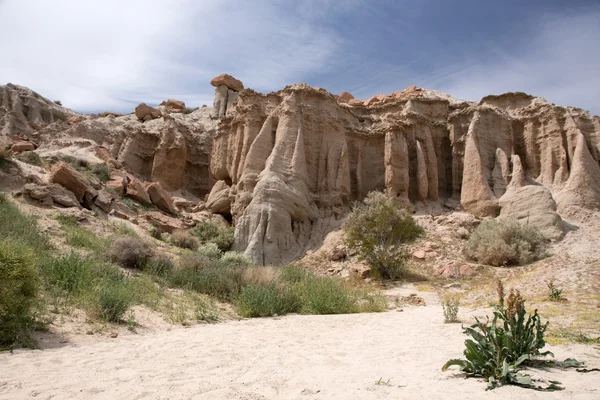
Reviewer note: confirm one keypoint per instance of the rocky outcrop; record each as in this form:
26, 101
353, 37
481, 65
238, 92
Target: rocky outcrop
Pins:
160, 198
229, 81
289, 163
173, 106
218, 199
146, 113
137, 191
66, 176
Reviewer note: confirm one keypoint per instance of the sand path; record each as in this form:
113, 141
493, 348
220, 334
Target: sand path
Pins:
292, 357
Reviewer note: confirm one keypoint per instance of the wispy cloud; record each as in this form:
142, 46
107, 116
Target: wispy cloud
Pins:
559, 61
111, 54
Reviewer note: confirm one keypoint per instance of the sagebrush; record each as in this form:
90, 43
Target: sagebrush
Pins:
130, 252
377, 230
503, 242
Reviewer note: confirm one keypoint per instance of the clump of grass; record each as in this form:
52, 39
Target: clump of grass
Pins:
503, 242
18, 293
101, 171
321, 295
114, 300
377, 231
207, 232
184, 240
70, 273
122, 229
554, 293
21, 228
130, 252
450, 308
267, 299
80, 237
214, 279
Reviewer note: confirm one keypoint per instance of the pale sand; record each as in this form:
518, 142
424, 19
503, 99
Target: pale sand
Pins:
292, 357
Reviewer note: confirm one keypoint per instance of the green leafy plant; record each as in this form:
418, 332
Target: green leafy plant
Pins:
207, 232
30, 157
499, 348
267, 299
554, 293
450, 307
18, 293
101, 171
503, 242
377, 231
114, 301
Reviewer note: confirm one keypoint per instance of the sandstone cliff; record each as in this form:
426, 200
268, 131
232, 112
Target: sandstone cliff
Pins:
285, 167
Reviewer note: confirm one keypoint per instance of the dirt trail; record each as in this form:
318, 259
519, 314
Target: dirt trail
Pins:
292, 357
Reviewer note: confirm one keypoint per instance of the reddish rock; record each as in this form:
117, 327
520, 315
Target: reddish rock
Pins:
419, 254
164, 222
345, 97
22, 146
66, 176
161, 198
359, 270
145, 112
375, 99
117, 182
104, 201
337, 253
355, 102
455, 270
174, 105
73, 120
229, 81
136, 190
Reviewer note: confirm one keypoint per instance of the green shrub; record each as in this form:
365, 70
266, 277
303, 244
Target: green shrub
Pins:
114, 302
30, 157
207, 232
210, 251
130, 252
234, 259
224, 283
184, 240
101, 172
377, 230
321, 295
293, 273
5, 162
18, 293
159, 265
498, 349
267, 299
505, 242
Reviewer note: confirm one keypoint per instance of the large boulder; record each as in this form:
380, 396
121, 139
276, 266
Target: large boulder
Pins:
104, 201
62, 197
160, 198
137, 191
117, 182
218, 199
66, 176
144, 112
21, 146
345, 97
164, 222
173, 105
532, 205
39, 193
229, 81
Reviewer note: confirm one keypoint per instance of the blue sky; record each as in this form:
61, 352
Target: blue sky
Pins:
113, 54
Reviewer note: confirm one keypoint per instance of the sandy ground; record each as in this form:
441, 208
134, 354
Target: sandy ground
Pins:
292, 357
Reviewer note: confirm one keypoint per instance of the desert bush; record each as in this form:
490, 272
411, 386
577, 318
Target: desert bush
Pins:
184, 240
498, 348
188, 110
30, 157
377, 230
234, 259
505, 242
224, 283
450, 309
130, 252
207, 232
323, 295
159, 265
101, 172
18, 293
210, 251
267, 299
58, 102
554, 293
5, 162
114, 301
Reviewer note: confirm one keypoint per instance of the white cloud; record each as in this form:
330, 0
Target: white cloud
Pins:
112, 54
559, 61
